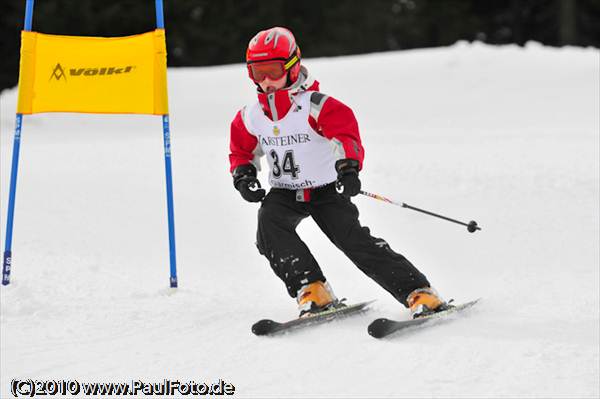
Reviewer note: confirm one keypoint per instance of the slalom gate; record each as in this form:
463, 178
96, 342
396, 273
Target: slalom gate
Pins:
116, 75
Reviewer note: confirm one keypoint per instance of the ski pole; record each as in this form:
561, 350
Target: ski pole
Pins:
471, 226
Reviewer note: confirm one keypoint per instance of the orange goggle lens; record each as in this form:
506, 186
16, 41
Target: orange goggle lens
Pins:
274, 70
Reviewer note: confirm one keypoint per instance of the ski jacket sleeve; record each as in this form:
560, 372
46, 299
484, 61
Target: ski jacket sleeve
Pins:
336, 121
242, 144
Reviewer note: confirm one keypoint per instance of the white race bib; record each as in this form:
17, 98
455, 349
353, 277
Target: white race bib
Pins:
298, 156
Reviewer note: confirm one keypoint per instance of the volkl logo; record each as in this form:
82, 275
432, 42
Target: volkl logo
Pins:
59, 73
100, 71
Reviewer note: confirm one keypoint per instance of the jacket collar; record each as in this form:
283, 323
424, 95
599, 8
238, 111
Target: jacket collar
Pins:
276, 105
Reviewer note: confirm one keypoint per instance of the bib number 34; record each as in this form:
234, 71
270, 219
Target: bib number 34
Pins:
288, 167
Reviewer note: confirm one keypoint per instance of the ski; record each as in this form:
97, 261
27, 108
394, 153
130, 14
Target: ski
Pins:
383, 327
271, 327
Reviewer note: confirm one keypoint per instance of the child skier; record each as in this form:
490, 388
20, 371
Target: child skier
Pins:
314, 151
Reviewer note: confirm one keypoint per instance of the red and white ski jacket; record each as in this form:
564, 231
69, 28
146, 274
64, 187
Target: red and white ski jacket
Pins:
300, 130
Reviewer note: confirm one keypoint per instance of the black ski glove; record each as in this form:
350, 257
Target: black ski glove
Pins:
245, 181
347, 183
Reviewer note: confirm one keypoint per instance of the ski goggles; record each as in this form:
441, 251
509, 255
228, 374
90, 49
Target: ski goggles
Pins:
273, 69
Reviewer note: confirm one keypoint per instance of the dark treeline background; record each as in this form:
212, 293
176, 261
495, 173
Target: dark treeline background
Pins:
210, 32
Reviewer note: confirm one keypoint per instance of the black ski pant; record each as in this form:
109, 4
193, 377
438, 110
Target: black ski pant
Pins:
337, 217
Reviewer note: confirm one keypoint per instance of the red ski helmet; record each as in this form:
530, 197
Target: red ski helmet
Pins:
273, 52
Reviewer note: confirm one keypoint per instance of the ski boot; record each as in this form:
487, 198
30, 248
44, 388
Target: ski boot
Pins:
316, 297
424, 302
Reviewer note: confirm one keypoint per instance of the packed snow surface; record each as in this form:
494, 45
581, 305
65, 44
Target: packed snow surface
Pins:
507, 136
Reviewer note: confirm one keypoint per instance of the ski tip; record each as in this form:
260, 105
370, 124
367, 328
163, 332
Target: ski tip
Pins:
263, 327
377, 328
362, 305
471, 303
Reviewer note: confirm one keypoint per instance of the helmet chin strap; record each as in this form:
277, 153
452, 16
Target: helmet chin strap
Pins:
288, 82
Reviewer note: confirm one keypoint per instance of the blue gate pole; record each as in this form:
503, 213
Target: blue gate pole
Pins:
170, 213
160, 24
160, 19
7, 259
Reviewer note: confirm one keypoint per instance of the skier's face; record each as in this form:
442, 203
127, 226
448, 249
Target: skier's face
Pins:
269, 86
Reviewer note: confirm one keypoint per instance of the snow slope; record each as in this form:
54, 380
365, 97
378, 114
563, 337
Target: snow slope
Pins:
507, 136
